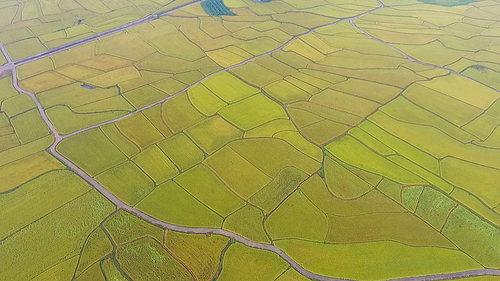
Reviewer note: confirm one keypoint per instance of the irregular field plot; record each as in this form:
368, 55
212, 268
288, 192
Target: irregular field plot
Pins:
124, 227
38, 194
145, 259
251, 264
252, 112
20, 171
375, 260
91, 151
209, 189
200, 253
60, 234
170, 202
127, 182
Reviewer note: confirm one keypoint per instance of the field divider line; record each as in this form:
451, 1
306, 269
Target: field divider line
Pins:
412, 59
121, 205
220, 71
195, 230
94, 37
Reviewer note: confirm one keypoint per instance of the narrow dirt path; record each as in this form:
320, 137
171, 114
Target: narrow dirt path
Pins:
11, 65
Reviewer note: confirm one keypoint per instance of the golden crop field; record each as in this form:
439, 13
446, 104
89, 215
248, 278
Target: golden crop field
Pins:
274, 140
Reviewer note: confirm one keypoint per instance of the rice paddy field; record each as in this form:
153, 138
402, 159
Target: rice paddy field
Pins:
232, 140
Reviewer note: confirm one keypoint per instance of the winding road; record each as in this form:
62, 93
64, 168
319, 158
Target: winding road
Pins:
12, 65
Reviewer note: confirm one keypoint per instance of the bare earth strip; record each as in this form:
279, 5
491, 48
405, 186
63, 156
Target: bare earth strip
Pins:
11, 65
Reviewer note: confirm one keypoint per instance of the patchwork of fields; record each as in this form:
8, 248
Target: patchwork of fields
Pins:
249, 140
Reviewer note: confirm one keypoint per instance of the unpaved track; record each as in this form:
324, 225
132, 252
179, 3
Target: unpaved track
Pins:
11, 65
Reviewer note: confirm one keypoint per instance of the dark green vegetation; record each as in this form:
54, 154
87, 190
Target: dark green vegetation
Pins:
484, 74
216, 8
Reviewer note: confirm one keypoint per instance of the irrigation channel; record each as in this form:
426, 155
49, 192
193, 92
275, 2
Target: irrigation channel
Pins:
12, 65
